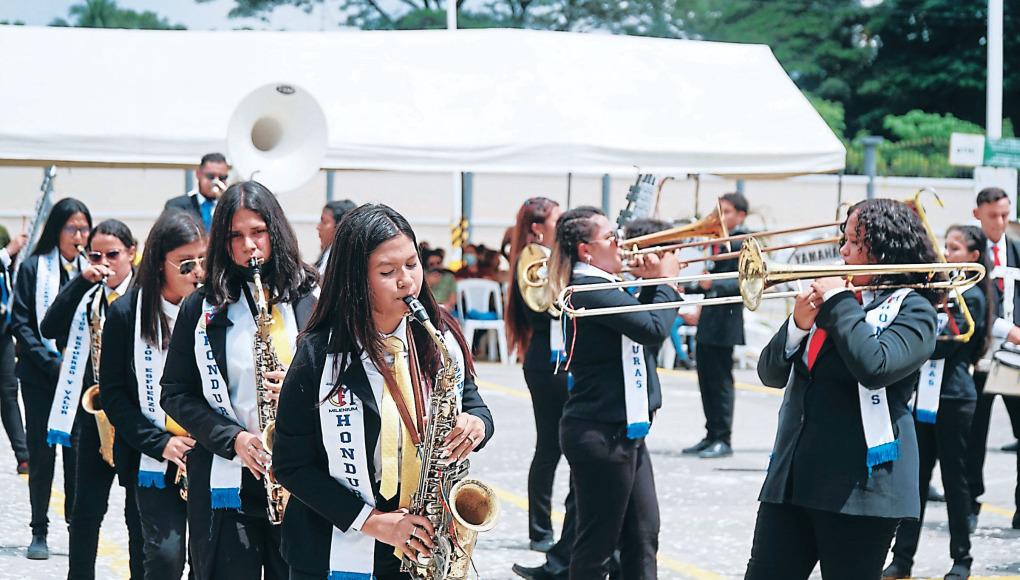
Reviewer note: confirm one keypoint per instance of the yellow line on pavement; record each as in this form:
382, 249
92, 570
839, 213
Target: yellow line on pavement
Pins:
519, 393
693, 376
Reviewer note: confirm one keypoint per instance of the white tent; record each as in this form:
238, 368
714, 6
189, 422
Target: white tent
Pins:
468, 100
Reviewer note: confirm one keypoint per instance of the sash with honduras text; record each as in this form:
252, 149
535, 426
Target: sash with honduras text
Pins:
635, 373
929, 385
67, 397
148, 370
878, 428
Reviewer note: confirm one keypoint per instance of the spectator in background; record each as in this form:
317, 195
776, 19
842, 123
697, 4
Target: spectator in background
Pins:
332, 213
490, 265
10, 412
212, 175
441, 281
469, 267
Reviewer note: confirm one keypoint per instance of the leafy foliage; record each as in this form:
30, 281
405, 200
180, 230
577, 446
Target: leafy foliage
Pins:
106, 14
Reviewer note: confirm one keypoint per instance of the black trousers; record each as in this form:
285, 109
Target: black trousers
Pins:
94, 478
548, 394
789, 541
945, 441
247, 547
10, 412
557, 559
164, 522
616, 502
715, 380
38, 397
977, 446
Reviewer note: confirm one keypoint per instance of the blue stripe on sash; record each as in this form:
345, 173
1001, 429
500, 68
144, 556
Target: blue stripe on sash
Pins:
350, 576
883, 453
926, 416
155, 479
638, 430
226, 498
54, 437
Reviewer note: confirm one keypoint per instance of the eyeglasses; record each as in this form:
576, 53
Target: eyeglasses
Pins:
611, 237
188, 266
97, 257
72, 230
212, 176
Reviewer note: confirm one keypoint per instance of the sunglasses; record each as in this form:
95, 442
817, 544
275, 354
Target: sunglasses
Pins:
212, 176
188, 266
97, 257
612, 237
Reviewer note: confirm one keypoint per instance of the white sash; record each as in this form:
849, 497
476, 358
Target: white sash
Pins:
66, 399
929, 384
878, 428
635, 373
148, 370
342, 422
225, 475
47, 284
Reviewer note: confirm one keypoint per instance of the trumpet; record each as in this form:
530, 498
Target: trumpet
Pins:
755, 276
710, 226
653, 249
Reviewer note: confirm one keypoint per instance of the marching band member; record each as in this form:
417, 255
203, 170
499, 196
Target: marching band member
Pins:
52, 264
351, 408
531, 334
614, 396
10, 411
844, 468
209, 381
944, 411
111, 252
331, 215
147, 457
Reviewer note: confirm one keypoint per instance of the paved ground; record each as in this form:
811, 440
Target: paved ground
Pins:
707, 507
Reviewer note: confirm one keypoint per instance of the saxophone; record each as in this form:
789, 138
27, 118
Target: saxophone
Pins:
90, 400
266, 361
458, 508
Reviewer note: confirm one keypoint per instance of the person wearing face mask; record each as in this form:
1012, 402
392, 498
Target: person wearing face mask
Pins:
111, 251
209, 381
614, 396
844, 467
355, 403
470, 267
53, 263
212, 175
993, 211
147, 457
332, 213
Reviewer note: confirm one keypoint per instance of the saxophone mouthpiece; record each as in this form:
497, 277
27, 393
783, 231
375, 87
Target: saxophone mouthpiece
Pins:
417, 310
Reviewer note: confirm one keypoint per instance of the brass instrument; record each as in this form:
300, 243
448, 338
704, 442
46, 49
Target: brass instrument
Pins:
266, 360
710, 226
181, 479
755, 275
533, 279
915, 204
459, 508
656, 249
91, 400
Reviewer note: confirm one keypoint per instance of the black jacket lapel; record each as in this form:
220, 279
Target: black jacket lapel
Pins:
303, 310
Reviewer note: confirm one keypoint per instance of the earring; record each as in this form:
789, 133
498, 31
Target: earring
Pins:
541, 237
588, 259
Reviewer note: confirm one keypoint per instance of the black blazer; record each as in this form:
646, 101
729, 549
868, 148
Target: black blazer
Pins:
56, 324
819, 458
538, 356
957, 380
37, 366
723, 324
5, 281
135, 434
300, 462
186, 203
597, 365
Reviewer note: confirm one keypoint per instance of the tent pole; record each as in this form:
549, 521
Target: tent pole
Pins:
570, 181
605, 193
330, 193
189, 180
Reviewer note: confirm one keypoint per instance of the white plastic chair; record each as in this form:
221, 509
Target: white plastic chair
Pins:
480, 295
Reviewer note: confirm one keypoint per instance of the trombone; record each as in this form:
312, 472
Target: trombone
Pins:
756, 275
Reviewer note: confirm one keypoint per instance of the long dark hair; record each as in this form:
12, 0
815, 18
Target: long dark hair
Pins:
574, 227
345, 301
893, 234
285, 275
534, 211
61, 212
977, 241
173, 229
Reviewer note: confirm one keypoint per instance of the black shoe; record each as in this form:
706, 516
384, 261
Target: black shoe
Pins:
542, 545
1009, 447
22, 468
1016, 520
716, 450
935, 495
536, 573
697, 447
959, 571
38, 549
896, 570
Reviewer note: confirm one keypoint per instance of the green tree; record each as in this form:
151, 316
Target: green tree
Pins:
106, 14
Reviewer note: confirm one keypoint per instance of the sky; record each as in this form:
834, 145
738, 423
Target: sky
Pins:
205, 16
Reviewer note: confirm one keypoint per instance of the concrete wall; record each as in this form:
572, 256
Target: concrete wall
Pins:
136, 196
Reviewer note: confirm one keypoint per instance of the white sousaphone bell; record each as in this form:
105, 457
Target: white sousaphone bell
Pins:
277, 136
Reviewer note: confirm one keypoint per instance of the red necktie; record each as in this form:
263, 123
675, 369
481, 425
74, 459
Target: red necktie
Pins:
995, 253
815, 345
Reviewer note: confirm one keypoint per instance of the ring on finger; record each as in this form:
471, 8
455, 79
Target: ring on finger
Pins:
812, 305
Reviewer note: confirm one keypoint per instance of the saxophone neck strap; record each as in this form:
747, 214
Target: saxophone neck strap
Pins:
416, 380
402, 407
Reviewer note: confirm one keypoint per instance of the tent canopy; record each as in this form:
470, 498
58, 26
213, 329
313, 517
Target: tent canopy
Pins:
469, 100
